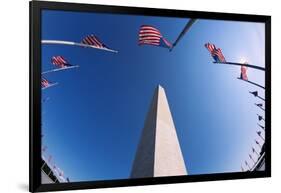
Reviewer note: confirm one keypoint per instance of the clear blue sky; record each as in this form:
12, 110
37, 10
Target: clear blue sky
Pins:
93, 120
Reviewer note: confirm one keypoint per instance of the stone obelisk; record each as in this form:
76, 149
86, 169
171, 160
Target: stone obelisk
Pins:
158, 153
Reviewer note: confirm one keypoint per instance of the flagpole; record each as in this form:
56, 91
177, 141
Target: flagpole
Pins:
258, 144
260, 107
260, 136
69, 43
256, 152
247, 165
183, 32
257, 96
251, 83
241, 64
261, 98
242, 168
261, 126
59, 69
50, 86
252, 159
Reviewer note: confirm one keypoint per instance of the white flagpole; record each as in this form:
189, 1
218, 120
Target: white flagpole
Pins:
54, 84
69, 43
59, 69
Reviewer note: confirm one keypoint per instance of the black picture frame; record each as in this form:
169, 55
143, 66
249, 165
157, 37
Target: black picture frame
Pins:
35, 95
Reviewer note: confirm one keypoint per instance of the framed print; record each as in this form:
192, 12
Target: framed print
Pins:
125, 96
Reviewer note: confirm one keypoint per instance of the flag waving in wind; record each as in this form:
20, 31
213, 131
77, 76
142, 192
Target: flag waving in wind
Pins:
243, 74
45, 83
60, 62
93, 40
215, 52
149, 35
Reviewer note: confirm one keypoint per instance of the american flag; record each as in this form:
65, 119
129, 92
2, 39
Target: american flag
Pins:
215, 52
243, 74
45, 83
60, 62
93, 40
149, 35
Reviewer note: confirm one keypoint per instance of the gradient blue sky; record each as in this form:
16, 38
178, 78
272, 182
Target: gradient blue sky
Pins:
93, 120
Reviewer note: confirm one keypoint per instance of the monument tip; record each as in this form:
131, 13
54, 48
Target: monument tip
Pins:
159, 86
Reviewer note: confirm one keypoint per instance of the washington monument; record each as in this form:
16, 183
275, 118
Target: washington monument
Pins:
158, 153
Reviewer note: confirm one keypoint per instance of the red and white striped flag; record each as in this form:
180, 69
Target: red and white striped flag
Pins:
149, 35
45, 83
243, 74
216, 53
60, 62
93, 40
